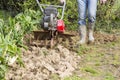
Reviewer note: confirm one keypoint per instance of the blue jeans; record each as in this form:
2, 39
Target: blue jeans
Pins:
87, 8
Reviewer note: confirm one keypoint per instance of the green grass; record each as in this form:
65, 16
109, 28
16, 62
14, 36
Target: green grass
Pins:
54, 77
90, 70
83, 49
109, 76
75, 78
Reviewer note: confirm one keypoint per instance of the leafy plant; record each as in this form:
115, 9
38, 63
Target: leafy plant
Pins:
108, 16
28, 20
9, 49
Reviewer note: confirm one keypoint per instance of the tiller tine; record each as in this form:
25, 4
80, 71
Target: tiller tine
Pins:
41, 35
66, 35
48, 39
42, 38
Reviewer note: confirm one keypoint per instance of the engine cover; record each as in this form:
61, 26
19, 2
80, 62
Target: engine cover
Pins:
49, 21
60, 26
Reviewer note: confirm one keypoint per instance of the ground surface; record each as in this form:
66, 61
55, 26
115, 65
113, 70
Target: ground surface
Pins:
98, 61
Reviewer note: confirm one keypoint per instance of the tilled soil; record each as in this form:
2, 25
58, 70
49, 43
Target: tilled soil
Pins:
42, 63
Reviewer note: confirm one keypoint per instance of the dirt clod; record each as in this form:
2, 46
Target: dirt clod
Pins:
40, 63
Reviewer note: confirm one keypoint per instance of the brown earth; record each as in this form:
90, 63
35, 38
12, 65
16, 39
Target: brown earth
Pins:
98, 61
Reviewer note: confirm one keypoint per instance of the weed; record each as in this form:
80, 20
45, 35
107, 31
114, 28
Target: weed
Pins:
75, 78
109, 76
82, 49
54, 77
90, 70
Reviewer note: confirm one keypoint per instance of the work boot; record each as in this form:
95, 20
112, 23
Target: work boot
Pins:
90, 32
82, 33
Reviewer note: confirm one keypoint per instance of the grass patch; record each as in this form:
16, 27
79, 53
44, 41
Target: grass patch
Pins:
109, 76
75, 78
54, 77
90, 70
83, 49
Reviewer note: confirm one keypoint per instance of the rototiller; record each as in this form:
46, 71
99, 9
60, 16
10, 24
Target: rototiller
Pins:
50, 21
51, 25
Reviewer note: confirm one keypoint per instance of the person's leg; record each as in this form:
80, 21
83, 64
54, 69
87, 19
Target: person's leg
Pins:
92, 8
82, 23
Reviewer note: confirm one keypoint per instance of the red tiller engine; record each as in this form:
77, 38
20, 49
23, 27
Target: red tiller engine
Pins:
50, 21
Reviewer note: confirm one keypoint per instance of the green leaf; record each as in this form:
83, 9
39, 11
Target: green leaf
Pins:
28, 18
3, 67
